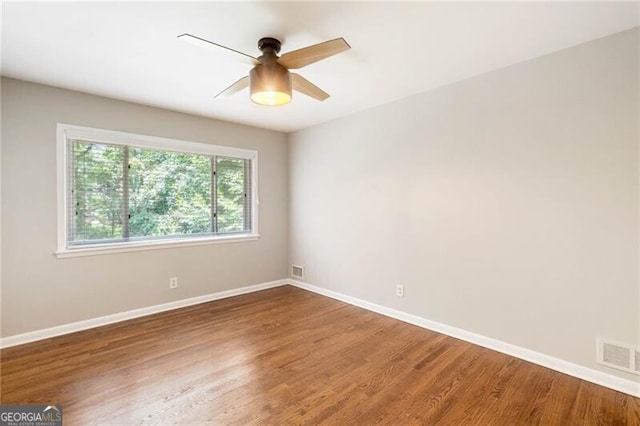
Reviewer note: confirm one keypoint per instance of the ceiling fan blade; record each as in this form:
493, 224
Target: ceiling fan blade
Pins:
238, 56
303, 85
310, 54
243, 83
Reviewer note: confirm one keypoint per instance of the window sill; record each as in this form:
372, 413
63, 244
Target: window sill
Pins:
151, 245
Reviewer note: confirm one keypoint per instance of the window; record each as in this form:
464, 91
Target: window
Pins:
125, 191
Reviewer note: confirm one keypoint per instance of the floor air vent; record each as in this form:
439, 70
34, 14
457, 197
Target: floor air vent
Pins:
297, 272
620, 356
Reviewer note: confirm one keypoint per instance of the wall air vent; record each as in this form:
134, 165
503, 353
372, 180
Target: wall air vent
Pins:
616, 355
297, 272
620, 356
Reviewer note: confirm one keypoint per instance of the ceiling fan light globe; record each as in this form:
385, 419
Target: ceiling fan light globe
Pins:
271, 98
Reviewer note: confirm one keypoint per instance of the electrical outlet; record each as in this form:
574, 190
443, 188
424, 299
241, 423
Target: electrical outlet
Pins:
400, 290
173, 282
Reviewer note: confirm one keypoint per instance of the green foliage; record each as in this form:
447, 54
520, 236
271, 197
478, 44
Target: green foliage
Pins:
231, 194
169, 193
96, 192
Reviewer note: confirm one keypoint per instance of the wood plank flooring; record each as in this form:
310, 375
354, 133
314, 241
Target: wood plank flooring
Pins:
287, 356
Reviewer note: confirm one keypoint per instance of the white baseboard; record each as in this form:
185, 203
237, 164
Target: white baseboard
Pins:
594, 376
581, 372
46, 333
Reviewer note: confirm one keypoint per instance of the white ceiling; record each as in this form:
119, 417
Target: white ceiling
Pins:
130, 51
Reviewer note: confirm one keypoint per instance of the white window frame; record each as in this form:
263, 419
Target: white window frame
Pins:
66, 132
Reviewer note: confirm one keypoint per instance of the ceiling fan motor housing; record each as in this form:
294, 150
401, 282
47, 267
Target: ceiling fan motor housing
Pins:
269, 44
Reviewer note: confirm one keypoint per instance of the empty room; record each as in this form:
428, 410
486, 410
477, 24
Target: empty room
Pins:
340, 213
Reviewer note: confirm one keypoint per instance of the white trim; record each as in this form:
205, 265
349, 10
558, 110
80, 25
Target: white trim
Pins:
61, 193
65, 132
152, 245
581, 372
46, 333
112, 137
255, 211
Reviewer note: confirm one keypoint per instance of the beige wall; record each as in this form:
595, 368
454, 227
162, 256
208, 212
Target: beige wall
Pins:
506, 204
40, 291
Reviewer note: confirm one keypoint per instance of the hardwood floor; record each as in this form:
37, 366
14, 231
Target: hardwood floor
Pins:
287, 356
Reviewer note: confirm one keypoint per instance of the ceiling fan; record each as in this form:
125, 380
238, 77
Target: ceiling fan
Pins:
270, 81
